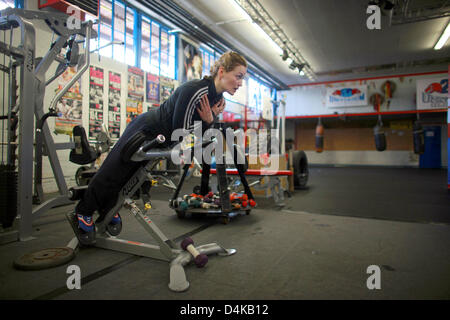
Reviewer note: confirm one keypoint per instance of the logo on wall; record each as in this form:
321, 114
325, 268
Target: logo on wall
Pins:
347, 96
432, 93
346, 92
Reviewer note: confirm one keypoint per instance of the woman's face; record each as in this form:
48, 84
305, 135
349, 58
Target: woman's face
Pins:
232, 80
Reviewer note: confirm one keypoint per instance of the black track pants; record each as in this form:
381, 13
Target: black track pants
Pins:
103, 189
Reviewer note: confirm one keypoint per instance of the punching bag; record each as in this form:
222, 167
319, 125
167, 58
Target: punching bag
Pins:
418, 138
319, 137
380, 137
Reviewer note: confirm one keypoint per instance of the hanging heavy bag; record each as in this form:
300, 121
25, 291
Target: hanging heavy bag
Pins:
301, 171
319, 137
418, 138
380, 137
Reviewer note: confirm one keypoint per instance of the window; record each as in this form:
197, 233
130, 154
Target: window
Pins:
256, 92
7, 3
164, 52
208, 58
145, 43
157, 49
105, 32
154, 55
172, 54
138, 40
130, 50
119, 28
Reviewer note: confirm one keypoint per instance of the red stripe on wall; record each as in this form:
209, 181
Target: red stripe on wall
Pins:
364, 114
362, 79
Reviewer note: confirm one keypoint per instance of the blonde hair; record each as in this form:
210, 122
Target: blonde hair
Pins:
229, 60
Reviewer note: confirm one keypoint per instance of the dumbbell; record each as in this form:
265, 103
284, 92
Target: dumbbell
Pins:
208, 205
200, 259
184, 205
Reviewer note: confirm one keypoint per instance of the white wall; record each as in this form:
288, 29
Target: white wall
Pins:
371, 158
310, 100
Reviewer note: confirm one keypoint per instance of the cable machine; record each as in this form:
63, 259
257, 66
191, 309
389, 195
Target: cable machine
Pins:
28, 110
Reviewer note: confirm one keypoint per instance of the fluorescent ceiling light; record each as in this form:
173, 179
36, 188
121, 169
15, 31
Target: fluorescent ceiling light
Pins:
240, 9
268, 38
443, 38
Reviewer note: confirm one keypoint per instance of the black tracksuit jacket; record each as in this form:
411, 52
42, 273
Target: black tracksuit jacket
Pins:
178, 111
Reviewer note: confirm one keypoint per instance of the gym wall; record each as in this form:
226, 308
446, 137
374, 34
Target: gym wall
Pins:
43, 42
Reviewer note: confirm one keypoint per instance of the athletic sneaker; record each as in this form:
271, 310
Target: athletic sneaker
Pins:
114, 227
116, 219
86, 230
85, 223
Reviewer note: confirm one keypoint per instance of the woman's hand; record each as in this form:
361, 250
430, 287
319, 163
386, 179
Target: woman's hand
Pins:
218, 107
204, 110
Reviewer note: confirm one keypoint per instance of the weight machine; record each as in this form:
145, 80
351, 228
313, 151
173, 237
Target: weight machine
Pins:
145, 152
34, 134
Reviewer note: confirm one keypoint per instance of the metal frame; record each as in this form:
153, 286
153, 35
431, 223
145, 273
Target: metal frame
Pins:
32, 91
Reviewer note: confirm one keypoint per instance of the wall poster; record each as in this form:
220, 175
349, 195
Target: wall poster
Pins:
69, 107
432, 93
192, 62
114, 105
152, 88
96, 89
135, 96
166, 87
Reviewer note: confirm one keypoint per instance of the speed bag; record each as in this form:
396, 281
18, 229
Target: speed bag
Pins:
319, 138
380, 138
418, 138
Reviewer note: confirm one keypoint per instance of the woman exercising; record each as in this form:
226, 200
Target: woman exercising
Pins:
190, 102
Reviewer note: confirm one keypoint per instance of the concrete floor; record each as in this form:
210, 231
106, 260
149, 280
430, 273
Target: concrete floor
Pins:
285, 254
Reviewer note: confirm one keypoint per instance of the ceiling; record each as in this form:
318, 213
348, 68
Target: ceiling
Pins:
333, 38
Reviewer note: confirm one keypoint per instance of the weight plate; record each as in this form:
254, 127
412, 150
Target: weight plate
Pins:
79, 179
44, 259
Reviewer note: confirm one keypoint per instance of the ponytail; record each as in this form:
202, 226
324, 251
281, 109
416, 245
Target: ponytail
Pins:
229, 60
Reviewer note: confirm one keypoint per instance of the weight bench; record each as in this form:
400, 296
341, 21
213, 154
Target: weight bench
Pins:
139, 150
274, 183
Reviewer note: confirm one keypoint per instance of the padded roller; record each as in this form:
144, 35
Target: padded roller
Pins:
133, 145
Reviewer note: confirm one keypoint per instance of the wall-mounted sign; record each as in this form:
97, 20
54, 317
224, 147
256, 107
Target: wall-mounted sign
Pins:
351, 96
432, 93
